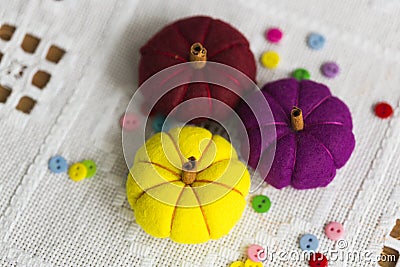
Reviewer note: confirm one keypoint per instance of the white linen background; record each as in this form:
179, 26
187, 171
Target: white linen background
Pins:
48, 220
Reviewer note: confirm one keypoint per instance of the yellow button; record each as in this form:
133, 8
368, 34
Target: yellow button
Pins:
250, 263
77, 172
237, 264
270, 59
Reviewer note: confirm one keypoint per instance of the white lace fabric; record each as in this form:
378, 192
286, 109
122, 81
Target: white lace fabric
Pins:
48, 220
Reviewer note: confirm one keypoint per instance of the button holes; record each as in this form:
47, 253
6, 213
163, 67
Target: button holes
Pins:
30, 43
5, 92
58, 167
40, 79
26, 104
308, 246
77, 168
260, 206
55, 54
310, 240
332, 229
263, 201
6, 32
57, 160
338, 231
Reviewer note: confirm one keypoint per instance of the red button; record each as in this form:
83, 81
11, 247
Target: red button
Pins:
383, 110
318, 260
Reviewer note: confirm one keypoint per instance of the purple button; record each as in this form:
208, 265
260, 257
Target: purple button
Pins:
330, 69
274, 35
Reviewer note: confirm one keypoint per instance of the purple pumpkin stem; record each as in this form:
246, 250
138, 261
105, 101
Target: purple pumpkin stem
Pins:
297, 119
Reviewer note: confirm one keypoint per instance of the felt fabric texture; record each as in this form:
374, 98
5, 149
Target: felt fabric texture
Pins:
304, 159
165, 206
171, 45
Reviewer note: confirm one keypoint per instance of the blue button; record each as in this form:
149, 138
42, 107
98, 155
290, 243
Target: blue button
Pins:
309, 242
58, 164
158, 122
316, 41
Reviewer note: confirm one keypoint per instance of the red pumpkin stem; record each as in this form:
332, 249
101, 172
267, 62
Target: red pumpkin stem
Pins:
198, 55
189, 171
297, 119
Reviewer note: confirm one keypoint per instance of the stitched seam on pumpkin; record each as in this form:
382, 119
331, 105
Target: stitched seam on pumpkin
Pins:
328, 123
202, 211
154, 186
327, 150
278, 123
167, 54
176, 147
235, 81
176, 206
215, 162
160, 166
279, 104
221, 184
295, 157
180, 34
179, 71
317, 106
205, 150
206, 31
209, 96
238, 43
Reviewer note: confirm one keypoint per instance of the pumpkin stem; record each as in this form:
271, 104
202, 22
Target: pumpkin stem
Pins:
189, 171
198, 55
297, 119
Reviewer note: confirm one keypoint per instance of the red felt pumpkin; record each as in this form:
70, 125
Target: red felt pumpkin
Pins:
201, 39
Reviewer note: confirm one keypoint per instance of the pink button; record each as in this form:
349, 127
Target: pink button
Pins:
334, 231
129, 122
274, 35
256, 253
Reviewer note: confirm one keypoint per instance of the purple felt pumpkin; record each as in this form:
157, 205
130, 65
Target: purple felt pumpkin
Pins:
313, 134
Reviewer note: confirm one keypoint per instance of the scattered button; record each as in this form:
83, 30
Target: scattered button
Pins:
256, 253
334, 231
261, 203
383, 110
318, 260
58, 164
330, 69
77, 172
274, 35
129, 122
237, 264
90, 167
270, 59
316, 41
301, 74
158, 122
309, 242
250, 263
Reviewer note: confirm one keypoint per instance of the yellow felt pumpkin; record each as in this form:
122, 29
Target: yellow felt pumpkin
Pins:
188, 185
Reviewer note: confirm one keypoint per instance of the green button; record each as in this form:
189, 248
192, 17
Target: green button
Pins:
91, 168
261, 203
301, 74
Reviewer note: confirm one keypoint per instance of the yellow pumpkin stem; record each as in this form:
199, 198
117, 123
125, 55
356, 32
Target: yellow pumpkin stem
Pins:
198, 55
189, 171
297, 119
